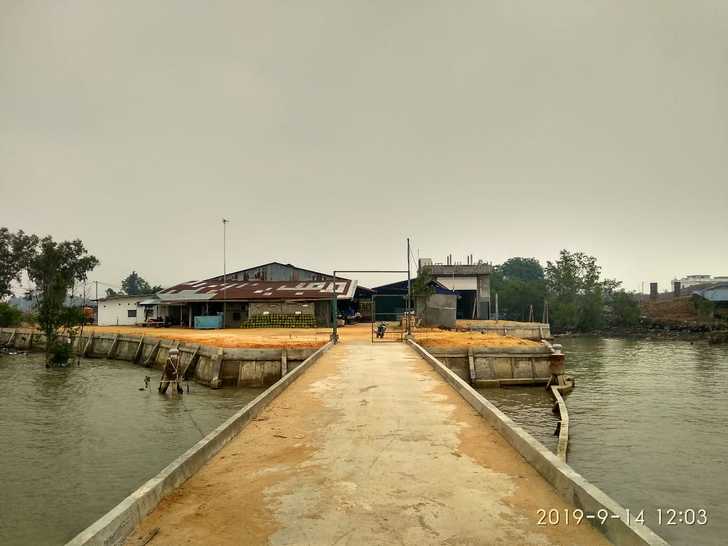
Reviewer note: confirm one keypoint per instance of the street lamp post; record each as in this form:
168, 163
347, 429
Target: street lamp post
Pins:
224, 271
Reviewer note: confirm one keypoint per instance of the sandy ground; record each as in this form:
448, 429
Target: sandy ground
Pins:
443, 338
232, 337
368, 446
310, 337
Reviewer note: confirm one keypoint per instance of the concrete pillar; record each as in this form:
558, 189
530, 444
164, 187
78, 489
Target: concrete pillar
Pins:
653, 290
216, 369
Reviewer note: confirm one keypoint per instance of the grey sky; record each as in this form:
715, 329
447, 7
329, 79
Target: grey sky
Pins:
329, 131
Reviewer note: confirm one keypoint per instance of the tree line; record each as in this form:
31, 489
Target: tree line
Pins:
572, 288
54, 269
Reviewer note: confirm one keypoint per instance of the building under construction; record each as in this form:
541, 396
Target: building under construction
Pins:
469, 280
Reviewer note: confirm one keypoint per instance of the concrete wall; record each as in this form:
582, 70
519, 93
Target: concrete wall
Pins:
236, 313
570, 485
500, 366
484, 297
440, 311
525, 330
214, 367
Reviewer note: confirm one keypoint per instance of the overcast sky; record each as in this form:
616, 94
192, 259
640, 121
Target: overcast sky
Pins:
327, 132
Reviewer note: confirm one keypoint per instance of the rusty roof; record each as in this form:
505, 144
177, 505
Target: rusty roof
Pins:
213, 290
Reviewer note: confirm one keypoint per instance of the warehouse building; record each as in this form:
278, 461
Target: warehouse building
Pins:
273, 294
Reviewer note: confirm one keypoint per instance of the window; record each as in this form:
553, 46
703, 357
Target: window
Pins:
131, 313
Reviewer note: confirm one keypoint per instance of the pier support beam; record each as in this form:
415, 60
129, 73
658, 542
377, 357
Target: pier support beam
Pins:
112, 349
149, 362
89, 344
284, 362
471, 365
139, 351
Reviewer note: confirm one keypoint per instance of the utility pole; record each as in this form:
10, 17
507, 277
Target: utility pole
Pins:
496, 306
409, 290
224, 272
335, 311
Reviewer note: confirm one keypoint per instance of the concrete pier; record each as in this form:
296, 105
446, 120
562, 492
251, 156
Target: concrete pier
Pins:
368, 446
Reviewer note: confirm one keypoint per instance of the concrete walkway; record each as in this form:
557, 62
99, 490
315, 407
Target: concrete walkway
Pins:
369, 446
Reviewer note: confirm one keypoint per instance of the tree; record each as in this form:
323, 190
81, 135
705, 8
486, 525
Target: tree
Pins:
135, 285
10, 315
15, 251
422, 289
54, 269
524, 269
576, 292
625, 309
519, 284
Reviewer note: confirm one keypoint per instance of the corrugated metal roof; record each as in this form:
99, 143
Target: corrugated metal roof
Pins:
717, 292
400, 287
213, 290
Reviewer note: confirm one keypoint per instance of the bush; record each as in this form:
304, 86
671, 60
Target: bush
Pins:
60, 353
9, 315
625, 309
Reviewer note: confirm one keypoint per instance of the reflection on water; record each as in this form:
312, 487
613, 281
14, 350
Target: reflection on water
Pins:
647, 425
76, 441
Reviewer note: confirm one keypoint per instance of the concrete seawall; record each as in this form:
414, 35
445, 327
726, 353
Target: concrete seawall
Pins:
524, 330
498, 366
569, 484
211, 366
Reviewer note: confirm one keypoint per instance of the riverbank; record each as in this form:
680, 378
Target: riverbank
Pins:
681, 332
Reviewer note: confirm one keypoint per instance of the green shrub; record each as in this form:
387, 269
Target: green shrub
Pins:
9, 315
60, 353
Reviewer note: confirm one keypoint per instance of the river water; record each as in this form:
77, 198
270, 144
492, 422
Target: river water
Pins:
74, 442
648, 423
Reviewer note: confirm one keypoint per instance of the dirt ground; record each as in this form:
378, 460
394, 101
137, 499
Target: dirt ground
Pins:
443, 338
253, 338
303, 338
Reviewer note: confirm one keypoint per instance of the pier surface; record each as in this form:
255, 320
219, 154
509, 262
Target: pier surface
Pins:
368, 446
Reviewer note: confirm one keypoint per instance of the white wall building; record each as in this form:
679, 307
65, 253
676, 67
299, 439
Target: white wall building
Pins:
694, 280
124, 310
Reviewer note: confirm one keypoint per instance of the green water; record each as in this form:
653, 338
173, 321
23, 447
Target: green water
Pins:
648, 424
74, 442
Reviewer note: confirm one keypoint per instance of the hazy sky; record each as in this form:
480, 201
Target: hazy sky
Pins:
327, 132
